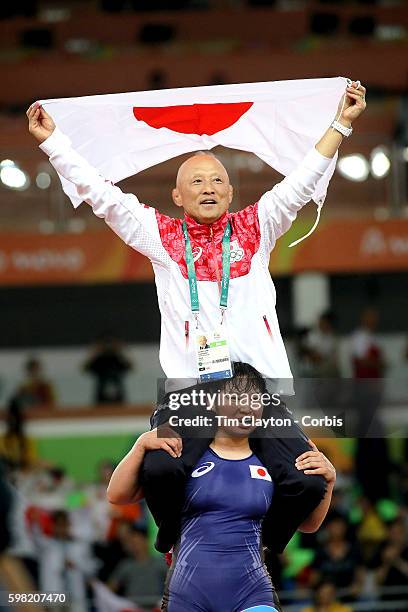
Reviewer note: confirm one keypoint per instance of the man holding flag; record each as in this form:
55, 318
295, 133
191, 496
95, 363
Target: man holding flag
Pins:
202, 289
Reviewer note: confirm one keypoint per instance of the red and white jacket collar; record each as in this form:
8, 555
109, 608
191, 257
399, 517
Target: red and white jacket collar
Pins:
200, 231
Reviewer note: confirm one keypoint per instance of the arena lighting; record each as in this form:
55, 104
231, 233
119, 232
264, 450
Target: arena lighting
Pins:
354, 167
46, 226
381, 213
43, 180
380, 162
6, 163
76, 226
12, 176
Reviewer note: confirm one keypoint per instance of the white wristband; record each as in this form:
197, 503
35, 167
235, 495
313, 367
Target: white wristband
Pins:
336, 125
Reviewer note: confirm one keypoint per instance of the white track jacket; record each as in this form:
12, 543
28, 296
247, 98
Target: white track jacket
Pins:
253, 328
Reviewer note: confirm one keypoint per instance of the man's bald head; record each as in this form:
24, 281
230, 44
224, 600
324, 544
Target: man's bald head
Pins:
202, 187
187, 163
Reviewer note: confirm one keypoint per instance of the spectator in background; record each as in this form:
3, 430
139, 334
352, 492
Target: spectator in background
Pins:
303, 362
367, 356
108, 365
99, 507
109, 523
16, 449
368, 369
338, 559
113, 551
13, 577
35, 390
324, 599
371, 531
65, 562
322, 351
140, 577
323, 347
6, 503
392, 568
22, 546
50, 489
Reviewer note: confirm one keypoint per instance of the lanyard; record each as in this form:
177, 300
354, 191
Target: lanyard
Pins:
192, 277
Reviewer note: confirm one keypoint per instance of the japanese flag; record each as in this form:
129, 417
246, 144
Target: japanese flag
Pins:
259, 472
122, 134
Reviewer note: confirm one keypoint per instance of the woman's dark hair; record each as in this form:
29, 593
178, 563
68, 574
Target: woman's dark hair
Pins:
246, 379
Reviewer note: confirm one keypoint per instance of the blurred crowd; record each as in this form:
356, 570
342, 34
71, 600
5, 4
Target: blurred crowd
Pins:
107, 365
69, 539
318, 348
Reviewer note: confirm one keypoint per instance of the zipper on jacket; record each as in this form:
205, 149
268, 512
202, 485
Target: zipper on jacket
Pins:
215, 260
265, 318
187, 332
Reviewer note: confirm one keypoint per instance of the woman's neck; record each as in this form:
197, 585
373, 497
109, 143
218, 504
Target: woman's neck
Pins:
230, 447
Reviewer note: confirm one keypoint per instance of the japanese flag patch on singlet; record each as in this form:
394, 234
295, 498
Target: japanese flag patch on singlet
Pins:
259, 472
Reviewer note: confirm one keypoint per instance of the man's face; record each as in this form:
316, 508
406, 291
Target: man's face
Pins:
203, 188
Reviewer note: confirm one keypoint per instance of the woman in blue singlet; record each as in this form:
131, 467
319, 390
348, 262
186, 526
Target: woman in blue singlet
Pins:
217, 564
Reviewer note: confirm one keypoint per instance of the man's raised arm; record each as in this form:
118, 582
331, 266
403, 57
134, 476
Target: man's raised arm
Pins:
278, 208
130, 220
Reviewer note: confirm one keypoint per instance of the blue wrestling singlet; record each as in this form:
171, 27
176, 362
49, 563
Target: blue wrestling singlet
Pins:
217, 563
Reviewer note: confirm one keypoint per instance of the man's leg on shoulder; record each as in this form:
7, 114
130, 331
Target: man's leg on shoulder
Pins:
163, 477
297, 494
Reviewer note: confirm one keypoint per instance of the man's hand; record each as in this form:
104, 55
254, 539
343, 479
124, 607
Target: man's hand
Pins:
314, 462
150, 441
354, 104
40, 124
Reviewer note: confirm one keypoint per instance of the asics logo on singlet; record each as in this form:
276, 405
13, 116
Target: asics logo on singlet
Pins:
237, 253
203, 469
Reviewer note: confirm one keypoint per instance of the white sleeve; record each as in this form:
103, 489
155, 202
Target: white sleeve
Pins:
132, 221
277, 208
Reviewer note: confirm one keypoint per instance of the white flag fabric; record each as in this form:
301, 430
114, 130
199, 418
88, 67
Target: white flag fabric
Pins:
123, 134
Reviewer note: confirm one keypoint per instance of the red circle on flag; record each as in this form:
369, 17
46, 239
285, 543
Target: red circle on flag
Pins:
261, 472
193, 118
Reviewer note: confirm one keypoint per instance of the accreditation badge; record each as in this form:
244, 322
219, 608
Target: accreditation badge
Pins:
213, 356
